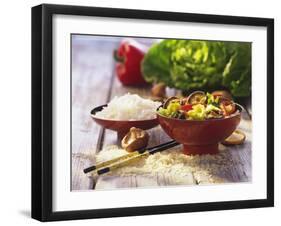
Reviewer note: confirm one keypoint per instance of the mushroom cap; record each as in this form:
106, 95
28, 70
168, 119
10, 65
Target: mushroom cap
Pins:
135, 139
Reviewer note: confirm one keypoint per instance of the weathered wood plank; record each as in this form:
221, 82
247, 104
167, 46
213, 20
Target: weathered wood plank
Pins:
113, 182
79, 180
145, 180
92, 64
171, 180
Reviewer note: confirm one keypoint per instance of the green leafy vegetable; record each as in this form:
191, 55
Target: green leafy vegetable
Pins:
211, 99
200, 65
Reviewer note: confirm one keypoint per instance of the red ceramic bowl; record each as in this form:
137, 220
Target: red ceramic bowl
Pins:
122, 127
200, 137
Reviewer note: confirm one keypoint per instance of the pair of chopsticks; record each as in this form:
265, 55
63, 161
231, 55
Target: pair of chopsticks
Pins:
115, 163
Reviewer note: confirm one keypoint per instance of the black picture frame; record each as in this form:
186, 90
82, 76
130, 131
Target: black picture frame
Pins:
42, 111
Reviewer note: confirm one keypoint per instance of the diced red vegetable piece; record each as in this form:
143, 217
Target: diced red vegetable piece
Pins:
186, 107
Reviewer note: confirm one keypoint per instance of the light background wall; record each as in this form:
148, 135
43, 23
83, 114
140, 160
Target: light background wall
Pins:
15, 118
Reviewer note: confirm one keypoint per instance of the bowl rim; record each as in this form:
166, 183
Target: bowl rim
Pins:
208, 120
116, 120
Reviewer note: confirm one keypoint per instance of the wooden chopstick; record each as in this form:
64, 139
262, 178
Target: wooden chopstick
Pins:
124, 157
153, 150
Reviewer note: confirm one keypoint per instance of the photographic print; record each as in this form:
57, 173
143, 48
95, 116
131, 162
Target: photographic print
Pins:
153, 113
138, 112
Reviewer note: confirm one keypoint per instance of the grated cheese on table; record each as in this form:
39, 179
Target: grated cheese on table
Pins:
173, 162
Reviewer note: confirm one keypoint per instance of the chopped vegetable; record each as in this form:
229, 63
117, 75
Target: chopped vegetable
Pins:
227, 107
173, 106
186, 107
197, 97
165, 105
198, 112
211, 108
211, 99
222, 93
171, 110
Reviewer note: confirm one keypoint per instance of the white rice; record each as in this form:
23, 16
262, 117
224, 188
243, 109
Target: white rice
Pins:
206, 169
129, 107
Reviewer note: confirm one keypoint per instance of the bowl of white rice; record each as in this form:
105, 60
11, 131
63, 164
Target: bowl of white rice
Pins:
124, 112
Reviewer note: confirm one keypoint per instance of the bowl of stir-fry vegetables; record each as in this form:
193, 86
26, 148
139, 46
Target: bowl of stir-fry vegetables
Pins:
199, 121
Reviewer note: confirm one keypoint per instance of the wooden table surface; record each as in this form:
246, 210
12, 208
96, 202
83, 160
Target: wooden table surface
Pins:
94, 83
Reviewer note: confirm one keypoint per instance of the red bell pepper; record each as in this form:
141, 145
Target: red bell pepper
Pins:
186, 107
128, 67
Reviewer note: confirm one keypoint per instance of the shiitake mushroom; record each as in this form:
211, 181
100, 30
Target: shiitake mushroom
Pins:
222, 94
236, 138
135, 139
197, 97
159, 90
228, 107
166, 103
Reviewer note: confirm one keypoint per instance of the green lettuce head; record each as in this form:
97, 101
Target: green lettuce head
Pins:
200, 65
